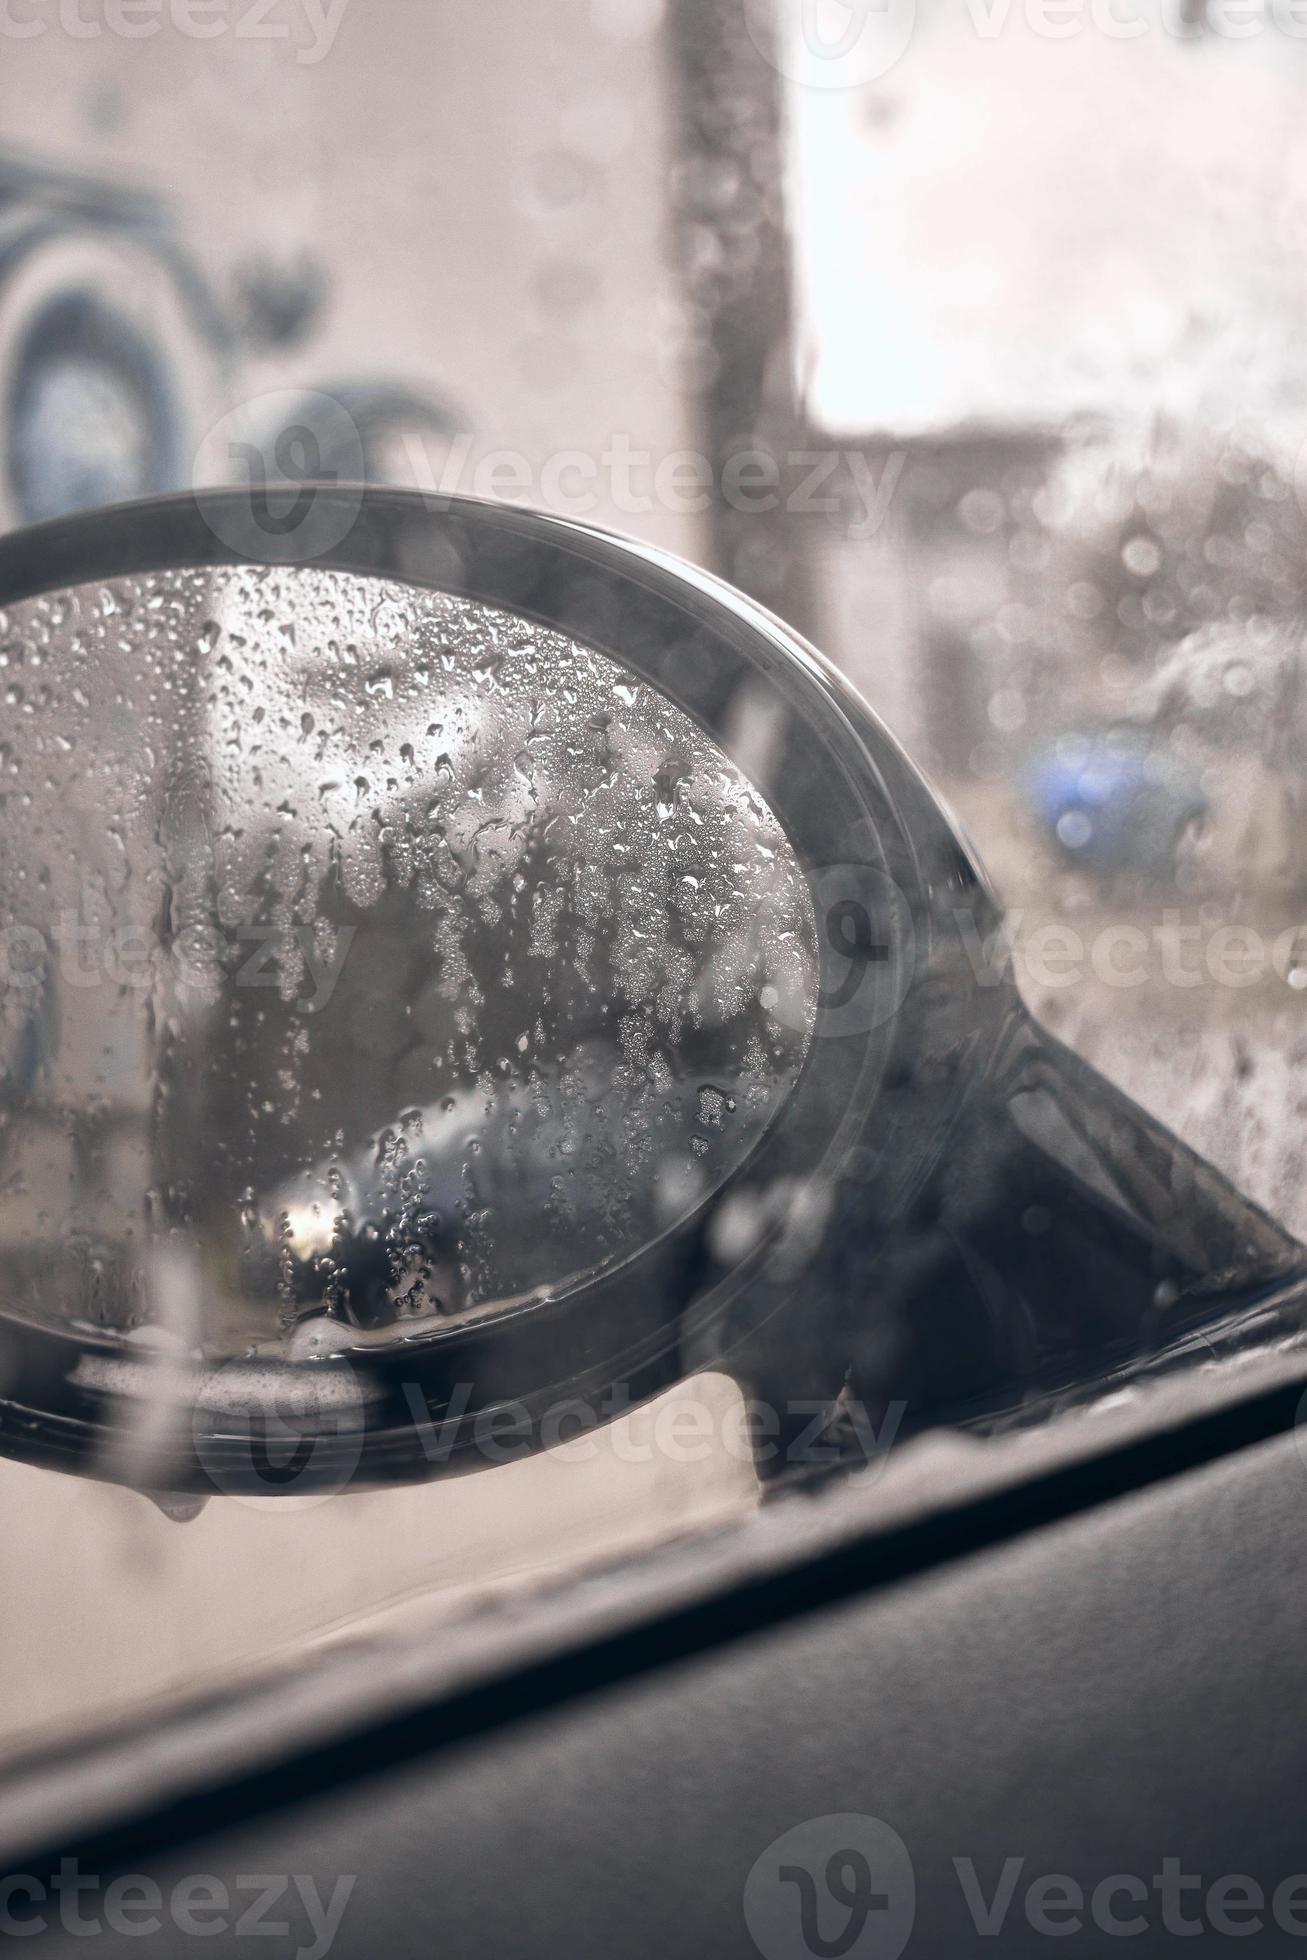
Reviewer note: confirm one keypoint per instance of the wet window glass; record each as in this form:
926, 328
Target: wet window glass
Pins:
675, 1020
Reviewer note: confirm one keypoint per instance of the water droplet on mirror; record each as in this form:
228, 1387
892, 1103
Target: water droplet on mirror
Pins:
471, 1027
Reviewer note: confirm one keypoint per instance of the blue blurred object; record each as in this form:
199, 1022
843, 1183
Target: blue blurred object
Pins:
1112, 804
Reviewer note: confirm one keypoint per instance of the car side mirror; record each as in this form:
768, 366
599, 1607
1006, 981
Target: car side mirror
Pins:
458, 961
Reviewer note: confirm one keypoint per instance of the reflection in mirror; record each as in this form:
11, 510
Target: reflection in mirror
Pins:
384, 958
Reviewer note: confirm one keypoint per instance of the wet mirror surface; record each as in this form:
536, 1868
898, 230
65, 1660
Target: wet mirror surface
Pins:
383, 958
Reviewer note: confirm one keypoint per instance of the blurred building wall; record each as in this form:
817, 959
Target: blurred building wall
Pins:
484, 187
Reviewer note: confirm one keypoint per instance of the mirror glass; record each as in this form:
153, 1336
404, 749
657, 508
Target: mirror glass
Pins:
373, 959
